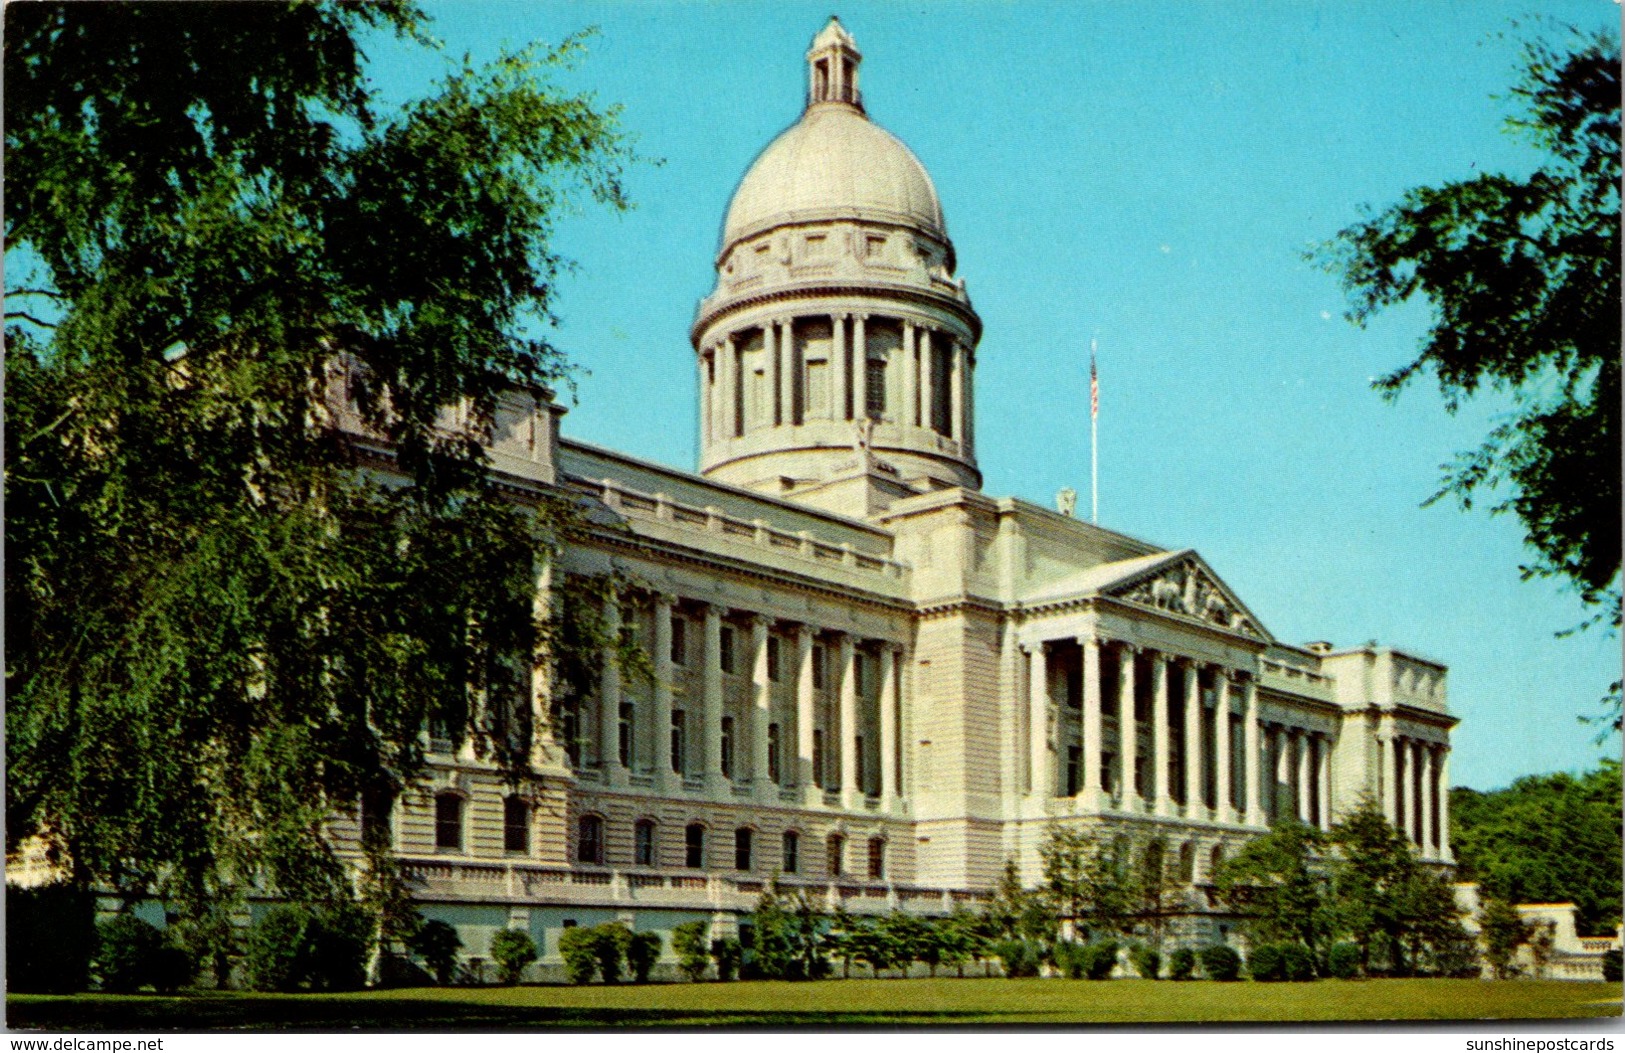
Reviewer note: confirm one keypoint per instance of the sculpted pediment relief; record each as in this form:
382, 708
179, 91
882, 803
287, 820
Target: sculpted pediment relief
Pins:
1187, 588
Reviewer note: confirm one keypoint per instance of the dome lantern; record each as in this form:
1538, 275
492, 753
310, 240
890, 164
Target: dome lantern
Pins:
832, 67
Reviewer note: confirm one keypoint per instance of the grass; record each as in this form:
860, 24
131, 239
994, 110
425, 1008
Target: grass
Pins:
934, 1003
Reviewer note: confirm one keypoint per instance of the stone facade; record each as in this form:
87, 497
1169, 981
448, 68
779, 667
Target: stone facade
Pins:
870, 678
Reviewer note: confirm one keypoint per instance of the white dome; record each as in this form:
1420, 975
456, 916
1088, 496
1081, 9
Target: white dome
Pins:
834, 163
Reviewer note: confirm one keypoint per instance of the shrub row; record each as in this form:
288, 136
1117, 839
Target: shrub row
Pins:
602, 949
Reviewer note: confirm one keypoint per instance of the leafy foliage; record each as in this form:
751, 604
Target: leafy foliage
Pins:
1147, 960
1343, 961
1094, 883
786, 944
1504, 931
1220, 962
1524, 280
1181, 963
512, 950
1544, 839
727, 953
578, 946
132, 953
50, 938
295, 948
642, 952
1279, 882
437, 943
225, 625
691, 943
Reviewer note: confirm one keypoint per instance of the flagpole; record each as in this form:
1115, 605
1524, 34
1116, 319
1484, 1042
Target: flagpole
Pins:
1094, 437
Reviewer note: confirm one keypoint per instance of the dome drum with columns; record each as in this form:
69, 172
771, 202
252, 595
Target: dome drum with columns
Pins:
838, 344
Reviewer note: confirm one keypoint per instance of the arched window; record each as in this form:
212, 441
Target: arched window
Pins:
834, 850
1214, 858
877, 857
1187, 863
790, 856
742, 847
694, 845
448, 822
643, 843
515, 824
590, 839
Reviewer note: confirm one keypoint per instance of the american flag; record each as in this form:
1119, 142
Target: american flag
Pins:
1094, 384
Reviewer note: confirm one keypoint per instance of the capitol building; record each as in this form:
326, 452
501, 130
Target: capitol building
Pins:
871, 680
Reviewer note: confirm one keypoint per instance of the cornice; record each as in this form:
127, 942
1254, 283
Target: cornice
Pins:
710, 317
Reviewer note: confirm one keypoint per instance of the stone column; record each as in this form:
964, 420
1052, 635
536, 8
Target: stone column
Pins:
927, 380
1303, 740
1223, 778
761, 711
1413, 829
787, 371
1389, 777
706, 360
1042, 781
956, 388
851, 792
1428, 797
805, 719
1283, 769
890, 697
770, 374
664, 675
609, 699
731, 404
1089, 794
1127, 733
1250, 729
544, 743
1162, 802
1323, 775
908, 378
970, 403
839, 368
711, 702
1195, 807
860, 366
1445, 854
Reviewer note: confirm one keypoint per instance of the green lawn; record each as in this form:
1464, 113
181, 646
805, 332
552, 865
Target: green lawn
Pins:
919, 1002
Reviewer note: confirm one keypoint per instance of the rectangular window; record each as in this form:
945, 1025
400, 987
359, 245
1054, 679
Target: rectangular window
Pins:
818, 667
515, 825
590, 839
694, 846
789, 860
448, 821
834, 851
727, 649
728, 747
773, 659
643, 844
877, 858
860, 777
875, 388
624, 735
679, 724
679, 641
773, 746
818, 757
742, 846
1074, 768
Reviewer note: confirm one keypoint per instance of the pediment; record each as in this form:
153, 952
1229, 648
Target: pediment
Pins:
1187, 586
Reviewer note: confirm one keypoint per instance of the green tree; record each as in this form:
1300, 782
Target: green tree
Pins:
1088, 882
1546, 838
1504, 931
691, 942
1279, 883
1523, 275
512, 950
223, 627
437, 943
1374, 867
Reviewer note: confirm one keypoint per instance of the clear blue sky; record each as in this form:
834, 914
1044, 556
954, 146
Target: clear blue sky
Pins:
1150, 172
